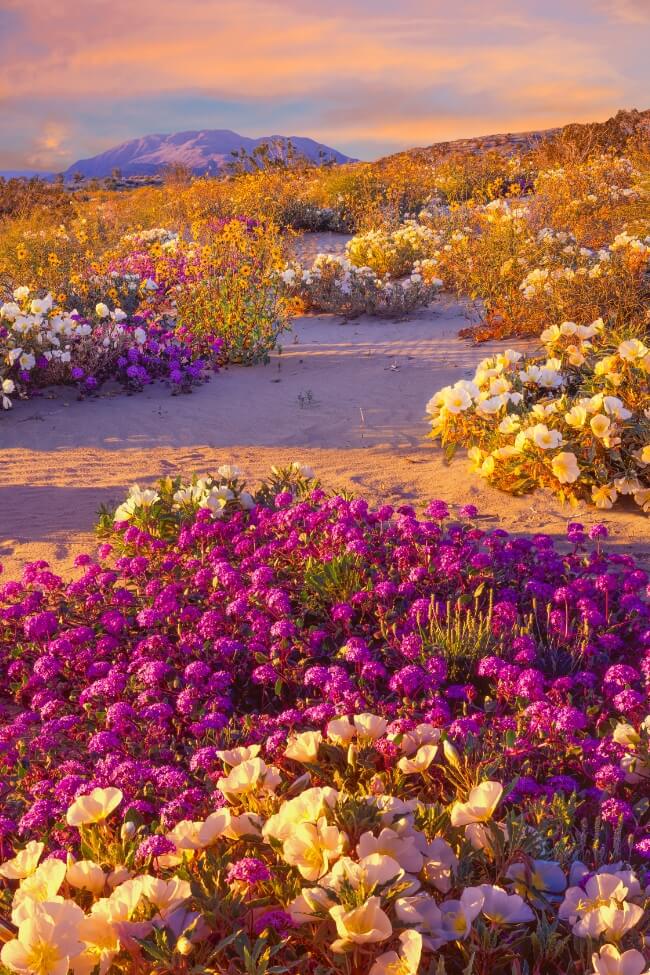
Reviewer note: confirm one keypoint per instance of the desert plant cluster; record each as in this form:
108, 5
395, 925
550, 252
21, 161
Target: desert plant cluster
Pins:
273, 728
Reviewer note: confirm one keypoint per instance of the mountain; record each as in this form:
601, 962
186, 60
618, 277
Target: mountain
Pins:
207, 151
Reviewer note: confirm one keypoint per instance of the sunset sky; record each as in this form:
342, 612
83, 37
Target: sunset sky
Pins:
365, 76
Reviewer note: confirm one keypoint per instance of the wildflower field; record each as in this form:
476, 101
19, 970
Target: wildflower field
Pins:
275, 727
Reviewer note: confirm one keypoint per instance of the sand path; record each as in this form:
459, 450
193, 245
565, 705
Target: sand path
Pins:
346, 398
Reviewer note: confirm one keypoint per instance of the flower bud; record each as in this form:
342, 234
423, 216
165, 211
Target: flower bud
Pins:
451, 754
128, 830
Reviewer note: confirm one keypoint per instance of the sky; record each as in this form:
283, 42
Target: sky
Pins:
367, 77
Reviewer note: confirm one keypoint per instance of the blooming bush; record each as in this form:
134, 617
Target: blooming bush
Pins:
42, 345
335, 284
522, 275
576, 422
278, 727
391, 253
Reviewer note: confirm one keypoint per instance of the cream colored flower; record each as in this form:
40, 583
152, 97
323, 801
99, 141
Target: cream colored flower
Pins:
632, 349
404, 962
369, 726
47, 941
312, 847
308, 807
371, 871
235, 756
304, 747
420, 762
85, 875
499, 907
366, 924
94, 807
642, 498
480, 806
42, 885
340, 731
565, 467
249, 777
603, 495
24, 863
457, 916
166, 895
576, 417
402, 847
610, 961
455, 400
544, 438
600, 907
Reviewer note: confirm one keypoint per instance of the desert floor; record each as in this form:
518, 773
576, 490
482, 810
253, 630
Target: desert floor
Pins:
347, 398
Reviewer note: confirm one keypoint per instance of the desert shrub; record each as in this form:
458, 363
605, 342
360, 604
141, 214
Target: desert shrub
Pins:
334, 284
576, 422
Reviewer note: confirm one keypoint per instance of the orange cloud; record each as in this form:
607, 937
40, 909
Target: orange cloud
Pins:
349, 70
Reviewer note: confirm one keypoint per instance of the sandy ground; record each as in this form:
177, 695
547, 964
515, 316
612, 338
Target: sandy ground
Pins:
345, 397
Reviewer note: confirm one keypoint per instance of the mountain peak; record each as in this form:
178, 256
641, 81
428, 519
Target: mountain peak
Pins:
202, 150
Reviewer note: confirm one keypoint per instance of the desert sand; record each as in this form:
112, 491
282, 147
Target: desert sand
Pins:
347, 398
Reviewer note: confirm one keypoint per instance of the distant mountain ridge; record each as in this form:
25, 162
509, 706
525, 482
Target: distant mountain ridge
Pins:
205, 151
614, 132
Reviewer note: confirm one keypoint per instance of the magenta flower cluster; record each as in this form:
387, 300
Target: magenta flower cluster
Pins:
161, 652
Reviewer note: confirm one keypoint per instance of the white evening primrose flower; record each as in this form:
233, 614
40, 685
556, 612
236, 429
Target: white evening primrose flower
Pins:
340, 731
402, 847
41, 306
47, 942
544, 438
455, 400
565, 467
480, 805
615, 407
405, 961
576, 417
20, 293
600, 425
538, 877
118, 315
366, 924
600, 906
420, 762
235, 756
7, 387
41, 886
288, 275
94, 807
304, 747
632, 349
27, 361
499, 907
102, 310
140, 335
248, 777
85, 875
369, 726
312, 847
603, 495
229, 472
24, 863
610, 961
